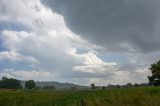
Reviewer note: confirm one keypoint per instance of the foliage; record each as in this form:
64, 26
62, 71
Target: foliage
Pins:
154, 79
10, 83
73, 88
136, 85
1, 84
129, 85
49, 88
30, 84
103, 87
93, 86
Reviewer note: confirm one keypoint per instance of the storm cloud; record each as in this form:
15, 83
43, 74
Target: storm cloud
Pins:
117, 25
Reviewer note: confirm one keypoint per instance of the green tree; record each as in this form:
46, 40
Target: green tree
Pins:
103, 87
93, 86
136, 85
30, 84
1, 84
10, 83
73, 88
154, 79
129, 85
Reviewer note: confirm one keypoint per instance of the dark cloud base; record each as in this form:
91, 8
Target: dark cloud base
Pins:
117, 25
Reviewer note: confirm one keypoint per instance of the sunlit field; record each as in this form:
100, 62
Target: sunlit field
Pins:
146, 96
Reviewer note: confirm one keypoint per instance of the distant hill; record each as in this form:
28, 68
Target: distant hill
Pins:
58, 85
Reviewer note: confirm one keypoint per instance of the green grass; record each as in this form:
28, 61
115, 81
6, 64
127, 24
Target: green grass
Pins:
147, 96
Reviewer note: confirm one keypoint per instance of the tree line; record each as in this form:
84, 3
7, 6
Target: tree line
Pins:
11, 83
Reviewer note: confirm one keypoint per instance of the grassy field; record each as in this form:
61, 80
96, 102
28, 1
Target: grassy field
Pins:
147, 96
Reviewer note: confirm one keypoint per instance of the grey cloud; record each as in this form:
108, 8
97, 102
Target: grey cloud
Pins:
117, 25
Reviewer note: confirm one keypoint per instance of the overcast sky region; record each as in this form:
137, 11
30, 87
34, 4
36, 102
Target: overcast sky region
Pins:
79, 41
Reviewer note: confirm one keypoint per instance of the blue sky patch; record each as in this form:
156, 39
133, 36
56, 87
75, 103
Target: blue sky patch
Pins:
13, 26
114, 57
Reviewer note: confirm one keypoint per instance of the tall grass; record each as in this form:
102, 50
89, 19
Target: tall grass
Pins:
147, 96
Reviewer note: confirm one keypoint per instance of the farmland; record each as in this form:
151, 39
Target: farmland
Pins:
141, 96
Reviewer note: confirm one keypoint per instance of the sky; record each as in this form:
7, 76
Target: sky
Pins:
79, 41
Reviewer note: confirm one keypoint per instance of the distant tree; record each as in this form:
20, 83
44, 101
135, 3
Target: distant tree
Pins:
136, 85
111, 86
1, 84
4, 78
103, 87
93, 86
128, 85
73, 88
154, 79
30, 84
49, 87
114, 86
10, 83
118, 86
143, 84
